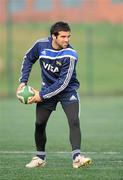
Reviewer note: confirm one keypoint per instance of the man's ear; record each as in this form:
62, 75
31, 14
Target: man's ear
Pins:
53, 37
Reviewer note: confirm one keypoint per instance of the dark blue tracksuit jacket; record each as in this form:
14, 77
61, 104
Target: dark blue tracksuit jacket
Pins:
58, 68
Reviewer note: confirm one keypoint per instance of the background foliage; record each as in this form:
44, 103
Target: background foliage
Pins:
99, 47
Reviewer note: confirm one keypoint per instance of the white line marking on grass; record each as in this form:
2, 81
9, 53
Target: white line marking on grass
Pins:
58, 152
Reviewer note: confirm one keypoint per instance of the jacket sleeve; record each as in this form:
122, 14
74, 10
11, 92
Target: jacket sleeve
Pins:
63, 80
28, 61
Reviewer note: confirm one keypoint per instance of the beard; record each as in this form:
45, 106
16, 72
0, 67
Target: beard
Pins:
62, 46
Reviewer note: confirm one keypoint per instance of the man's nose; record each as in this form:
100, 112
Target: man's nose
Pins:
66, 39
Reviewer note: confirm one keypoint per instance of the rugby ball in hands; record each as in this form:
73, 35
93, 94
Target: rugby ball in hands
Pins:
25, 94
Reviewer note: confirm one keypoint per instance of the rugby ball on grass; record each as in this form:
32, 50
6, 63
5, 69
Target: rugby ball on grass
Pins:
25, 94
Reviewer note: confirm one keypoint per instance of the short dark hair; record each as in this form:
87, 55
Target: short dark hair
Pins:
59, 26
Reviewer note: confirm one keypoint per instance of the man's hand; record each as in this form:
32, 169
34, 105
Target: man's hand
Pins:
36, 98
20, 87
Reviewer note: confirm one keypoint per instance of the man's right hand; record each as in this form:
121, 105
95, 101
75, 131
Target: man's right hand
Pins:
20, 87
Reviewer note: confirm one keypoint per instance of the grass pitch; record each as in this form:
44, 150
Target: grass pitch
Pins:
102, 135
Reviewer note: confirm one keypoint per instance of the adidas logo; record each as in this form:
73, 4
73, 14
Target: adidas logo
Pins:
73, 98
43, 52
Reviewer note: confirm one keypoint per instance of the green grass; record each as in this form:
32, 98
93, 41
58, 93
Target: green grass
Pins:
101, 124
100, 43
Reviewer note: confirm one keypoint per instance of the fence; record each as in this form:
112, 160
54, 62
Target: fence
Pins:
97, 36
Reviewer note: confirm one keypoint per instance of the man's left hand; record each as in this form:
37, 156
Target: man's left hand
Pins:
36, 98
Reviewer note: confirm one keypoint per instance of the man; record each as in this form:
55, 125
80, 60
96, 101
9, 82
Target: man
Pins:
58, 69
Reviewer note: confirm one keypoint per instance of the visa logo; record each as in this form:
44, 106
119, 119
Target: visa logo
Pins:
49, 67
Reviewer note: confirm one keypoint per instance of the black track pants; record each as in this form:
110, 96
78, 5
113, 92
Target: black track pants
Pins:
42, 116
72, 113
